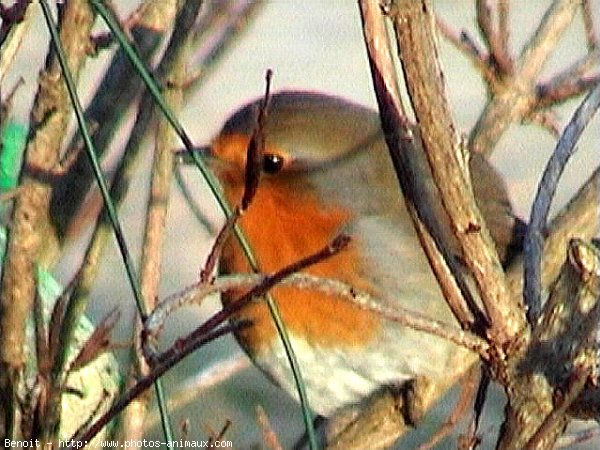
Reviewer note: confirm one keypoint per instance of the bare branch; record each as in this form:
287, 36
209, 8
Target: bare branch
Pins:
416, 40
517, 96
404, 147
30, 230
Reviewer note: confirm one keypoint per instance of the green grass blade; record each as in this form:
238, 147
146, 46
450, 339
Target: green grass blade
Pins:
111, 210
154, 89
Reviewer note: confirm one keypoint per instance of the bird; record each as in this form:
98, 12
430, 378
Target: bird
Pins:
326, 170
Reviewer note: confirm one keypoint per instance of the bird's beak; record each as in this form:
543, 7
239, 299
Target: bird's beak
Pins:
184, 156
205, 152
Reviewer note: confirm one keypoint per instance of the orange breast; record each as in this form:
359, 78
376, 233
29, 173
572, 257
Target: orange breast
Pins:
284, 225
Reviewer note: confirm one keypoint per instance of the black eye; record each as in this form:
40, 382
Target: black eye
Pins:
272, 163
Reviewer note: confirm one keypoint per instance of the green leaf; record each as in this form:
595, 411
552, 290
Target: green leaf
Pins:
14, 136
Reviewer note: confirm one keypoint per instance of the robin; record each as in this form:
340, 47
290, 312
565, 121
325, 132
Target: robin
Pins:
326, 170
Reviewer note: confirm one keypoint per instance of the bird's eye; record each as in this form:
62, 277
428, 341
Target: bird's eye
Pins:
272, 163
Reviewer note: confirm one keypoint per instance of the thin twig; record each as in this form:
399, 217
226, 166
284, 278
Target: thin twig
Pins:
534, 239
465, 43
546, 119
216, 36
172, 74
77, 441
11, 41
468, 389
198, 384
211, 329
579, 218
215, 252
503, 51
591, 34
499, 56
270, 438
11, 195
111, 101
572, 391
571, 439
550, 95
516, 97
420, 322
471, 438
256, 146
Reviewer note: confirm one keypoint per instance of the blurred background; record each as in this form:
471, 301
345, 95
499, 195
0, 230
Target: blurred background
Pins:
317, 45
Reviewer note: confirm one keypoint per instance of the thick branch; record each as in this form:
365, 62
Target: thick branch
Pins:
414, 25
30, 228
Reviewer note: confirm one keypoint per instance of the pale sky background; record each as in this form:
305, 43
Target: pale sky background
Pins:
309, 45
